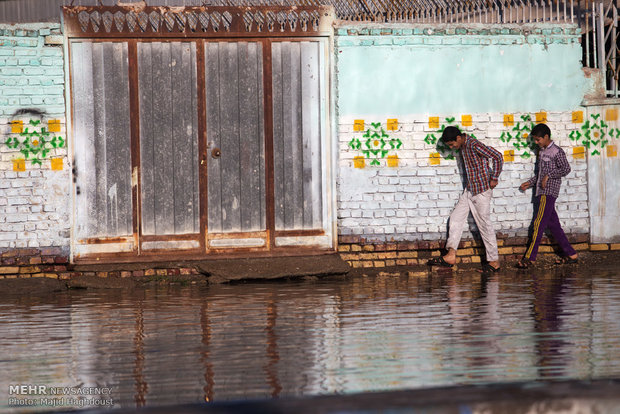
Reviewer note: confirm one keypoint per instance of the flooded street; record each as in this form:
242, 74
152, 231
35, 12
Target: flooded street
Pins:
173, 344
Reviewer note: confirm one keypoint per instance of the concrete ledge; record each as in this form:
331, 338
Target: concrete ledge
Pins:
220, 271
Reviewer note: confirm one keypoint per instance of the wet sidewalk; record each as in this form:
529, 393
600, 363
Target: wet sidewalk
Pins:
212, 271
218, 271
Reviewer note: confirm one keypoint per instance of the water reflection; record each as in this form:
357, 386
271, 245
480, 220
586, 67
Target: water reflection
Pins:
182, 344
546, 311
141, 385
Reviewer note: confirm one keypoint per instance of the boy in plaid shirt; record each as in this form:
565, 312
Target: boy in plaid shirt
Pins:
481, 179
552, 166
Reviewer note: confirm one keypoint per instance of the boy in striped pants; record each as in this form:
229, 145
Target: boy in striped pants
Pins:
552, 166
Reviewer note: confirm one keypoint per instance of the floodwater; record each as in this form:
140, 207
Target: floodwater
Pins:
173, 344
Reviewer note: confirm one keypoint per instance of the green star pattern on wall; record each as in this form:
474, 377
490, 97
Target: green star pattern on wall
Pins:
35, 144
375, 143
520, 136
594, 134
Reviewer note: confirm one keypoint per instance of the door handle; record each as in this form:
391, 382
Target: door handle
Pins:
215, 153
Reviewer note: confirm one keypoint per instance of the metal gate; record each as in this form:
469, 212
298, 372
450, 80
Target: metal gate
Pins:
188, 141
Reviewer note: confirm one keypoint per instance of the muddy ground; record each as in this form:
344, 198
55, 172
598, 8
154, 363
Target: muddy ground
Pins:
266, 269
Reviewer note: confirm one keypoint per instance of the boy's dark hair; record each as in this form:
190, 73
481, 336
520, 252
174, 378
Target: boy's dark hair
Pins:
541, 130
450, 134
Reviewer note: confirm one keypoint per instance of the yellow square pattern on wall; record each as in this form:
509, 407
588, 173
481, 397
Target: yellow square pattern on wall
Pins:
57, 164
612, 151
433, 122
611, 114
579, 153
392, 161
53, 125
17, 127
541, 117
359, 162
358, 125
19, 165
577, 117
509, 155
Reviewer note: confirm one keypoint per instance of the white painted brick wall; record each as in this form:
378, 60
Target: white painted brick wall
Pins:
35, 203
425, 194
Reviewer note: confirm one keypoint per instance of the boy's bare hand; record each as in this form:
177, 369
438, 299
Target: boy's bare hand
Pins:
543, 183
493, 183
524, 186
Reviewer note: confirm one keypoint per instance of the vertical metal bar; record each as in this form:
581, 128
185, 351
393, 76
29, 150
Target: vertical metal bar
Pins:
500, 13
134, 105
550, 10
614, 44
588, 61
601, 38
572, 12
268, 114
202, 143
594, 36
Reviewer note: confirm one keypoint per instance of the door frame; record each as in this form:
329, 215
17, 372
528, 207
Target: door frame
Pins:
111, 249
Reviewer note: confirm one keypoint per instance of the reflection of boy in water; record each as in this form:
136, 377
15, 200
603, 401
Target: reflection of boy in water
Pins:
552, 166
547, 290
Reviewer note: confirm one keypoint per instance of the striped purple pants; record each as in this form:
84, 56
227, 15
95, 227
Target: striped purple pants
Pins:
545, 217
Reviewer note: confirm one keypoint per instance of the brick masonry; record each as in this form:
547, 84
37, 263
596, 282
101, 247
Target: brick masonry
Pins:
359, 252
34, 197
413, 200
409, 197
54, 263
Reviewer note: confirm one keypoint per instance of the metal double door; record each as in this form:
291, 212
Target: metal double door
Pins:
199, 145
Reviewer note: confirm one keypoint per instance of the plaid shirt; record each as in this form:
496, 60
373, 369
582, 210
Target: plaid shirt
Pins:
476, 157
552, 162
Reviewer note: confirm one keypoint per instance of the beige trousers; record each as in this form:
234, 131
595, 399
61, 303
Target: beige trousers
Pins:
480, 207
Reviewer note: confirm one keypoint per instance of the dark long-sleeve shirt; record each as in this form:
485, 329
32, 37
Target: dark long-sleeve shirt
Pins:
476, 158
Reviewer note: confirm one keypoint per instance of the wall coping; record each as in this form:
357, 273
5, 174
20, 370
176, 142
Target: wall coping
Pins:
347, 28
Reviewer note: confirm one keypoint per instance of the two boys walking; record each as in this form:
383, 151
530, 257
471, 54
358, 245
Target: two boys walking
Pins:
481, 178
